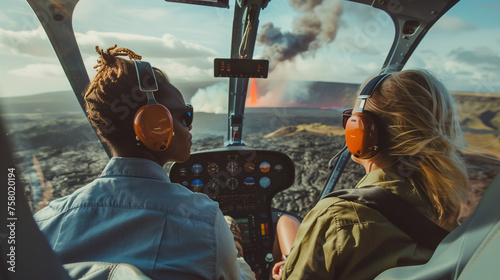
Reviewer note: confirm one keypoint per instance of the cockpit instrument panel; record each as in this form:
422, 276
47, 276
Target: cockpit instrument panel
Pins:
243, 182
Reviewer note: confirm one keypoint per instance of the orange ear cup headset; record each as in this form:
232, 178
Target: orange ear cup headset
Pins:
361, 131
153, 122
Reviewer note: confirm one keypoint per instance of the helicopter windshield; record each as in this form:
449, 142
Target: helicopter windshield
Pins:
317, 59
318, 56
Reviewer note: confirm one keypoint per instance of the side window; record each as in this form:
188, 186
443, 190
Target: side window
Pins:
461, 50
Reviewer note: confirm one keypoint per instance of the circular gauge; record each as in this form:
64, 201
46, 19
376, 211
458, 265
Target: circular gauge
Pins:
212, 188
196, 185
265, 167
185, 184
249, 167
213, 168
264, 182
232, 167
232, 183
278, 168
183, 171
249, 181
197, 168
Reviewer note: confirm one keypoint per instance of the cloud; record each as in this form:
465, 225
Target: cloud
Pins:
187, 71
5, 20
35, 43
481, 56
452, 24
476, 70
39, 70
138, 13
358, 12
462, 69
27, 42
182, 60
166, 46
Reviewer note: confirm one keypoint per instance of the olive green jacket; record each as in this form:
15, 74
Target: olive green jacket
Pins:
339, 239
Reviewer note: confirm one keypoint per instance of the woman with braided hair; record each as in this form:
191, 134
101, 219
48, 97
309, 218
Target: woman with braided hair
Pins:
113, 97
132, 213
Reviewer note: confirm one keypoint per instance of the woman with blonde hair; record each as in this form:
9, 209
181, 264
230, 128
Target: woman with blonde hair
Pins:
415, 156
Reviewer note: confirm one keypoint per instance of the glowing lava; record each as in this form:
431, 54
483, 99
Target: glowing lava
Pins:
253, 93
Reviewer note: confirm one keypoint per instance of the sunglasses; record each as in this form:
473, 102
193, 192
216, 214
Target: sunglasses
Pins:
187, 118
345, 116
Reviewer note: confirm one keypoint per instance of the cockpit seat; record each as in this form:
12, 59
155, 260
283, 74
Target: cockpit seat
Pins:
471, 251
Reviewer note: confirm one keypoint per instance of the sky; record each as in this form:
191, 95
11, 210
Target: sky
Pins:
463, 48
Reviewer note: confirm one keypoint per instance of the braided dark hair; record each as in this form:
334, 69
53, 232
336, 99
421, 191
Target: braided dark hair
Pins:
113, 96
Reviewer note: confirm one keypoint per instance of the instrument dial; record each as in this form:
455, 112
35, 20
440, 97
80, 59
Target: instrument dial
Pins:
212, 188
183, 171
265, 182
265, 167
197, 168
249, 167
196, 185
278, 168
232, 183
249, 181
232, 167
213, 168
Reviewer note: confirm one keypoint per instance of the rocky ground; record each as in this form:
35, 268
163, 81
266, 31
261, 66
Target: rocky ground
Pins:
310, 153
68, 167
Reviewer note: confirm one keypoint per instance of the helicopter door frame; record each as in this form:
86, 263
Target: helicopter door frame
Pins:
56, 17
245, 26
412, 20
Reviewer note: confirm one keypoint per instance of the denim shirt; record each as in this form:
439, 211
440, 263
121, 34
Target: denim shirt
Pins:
133, 214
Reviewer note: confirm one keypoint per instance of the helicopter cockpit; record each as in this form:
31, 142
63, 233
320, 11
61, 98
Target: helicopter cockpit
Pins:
239, 172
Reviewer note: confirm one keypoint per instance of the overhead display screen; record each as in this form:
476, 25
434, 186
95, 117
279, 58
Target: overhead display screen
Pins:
241, 68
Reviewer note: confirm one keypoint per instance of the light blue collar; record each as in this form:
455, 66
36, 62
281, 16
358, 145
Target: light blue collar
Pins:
135, 167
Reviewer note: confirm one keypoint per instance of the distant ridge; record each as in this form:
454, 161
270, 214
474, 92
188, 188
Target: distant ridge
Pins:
476, 94
43, 103
324, 95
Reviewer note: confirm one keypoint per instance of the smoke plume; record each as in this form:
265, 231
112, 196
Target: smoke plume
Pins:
315, 26
212, 99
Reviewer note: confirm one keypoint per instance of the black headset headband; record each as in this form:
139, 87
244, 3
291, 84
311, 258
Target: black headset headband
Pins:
369, 89
144, 74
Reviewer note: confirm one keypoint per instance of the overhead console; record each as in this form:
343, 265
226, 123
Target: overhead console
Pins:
241, 68
243, 182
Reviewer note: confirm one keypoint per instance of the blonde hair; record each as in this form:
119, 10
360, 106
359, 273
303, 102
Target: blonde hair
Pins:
422, 137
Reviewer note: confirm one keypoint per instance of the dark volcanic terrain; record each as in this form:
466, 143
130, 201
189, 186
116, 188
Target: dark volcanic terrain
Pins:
70, 156
52, 129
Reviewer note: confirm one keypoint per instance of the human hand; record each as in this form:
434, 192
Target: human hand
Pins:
235, 230
277, 270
